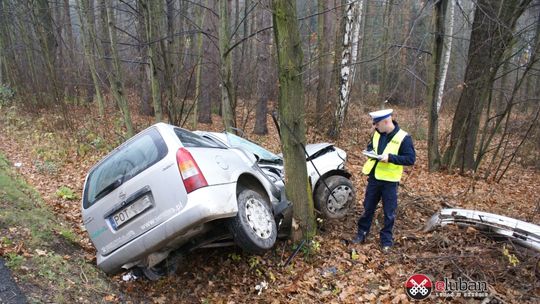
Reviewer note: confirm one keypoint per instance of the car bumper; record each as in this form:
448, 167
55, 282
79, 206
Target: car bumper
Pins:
203, 205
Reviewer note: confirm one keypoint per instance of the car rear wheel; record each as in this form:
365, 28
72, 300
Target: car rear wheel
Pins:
335, 200
254, 228
164, 268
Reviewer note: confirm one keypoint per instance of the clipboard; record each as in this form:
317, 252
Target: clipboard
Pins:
372, 154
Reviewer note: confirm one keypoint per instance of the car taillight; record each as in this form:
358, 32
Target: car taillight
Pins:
191, 174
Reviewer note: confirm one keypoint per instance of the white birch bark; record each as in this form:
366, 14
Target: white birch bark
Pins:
446, 59
353, 17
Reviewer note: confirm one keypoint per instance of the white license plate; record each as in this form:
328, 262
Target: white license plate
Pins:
124, 215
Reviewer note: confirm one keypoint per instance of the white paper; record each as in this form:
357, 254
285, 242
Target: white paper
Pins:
372, 154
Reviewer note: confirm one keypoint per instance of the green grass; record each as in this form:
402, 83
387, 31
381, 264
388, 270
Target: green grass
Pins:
53, 263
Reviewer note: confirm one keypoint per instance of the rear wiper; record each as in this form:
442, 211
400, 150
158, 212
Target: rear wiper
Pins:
110, 187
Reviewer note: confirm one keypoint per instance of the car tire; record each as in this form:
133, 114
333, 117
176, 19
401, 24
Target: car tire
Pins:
253, 228
164, 268
340, 188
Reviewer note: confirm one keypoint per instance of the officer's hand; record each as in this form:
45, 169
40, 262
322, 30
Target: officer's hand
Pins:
384, 158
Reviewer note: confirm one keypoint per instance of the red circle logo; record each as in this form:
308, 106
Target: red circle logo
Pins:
418, 286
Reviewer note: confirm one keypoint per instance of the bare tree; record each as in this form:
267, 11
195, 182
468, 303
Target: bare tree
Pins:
292, 117
89, 40
442, 47
492, 33
263, 71
351, 34
323, 62
116, 79
228, 98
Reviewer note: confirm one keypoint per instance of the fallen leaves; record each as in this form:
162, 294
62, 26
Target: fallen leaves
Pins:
339, 272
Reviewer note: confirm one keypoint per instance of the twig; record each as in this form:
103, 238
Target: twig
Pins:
294, 253
83, 276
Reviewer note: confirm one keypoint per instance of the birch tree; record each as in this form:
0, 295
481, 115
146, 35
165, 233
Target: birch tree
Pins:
351, 34
438, 69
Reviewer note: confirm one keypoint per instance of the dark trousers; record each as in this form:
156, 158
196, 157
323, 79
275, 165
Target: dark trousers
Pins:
376, 190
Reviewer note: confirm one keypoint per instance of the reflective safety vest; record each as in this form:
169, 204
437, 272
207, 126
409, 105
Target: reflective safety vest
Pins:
386, 171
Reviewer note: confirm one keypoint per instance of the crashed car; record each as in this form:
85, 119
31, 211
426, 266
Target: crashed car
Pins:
167, 190
523, 233
333, 192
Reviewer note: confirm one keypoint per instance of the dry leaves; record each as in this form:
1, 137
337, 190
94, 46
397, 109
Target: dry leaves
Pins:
338, 272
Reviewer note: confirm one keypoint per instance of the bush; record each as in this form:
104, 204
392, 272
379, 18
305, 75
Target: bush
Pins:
66, 193
6, 94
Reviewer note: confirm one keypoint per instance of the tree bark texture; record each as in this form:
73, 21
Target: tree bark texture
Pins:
227, 89
323, 62
116, 79
263, 72
439, 15
351, 34
492, 31
292, 117
88, 35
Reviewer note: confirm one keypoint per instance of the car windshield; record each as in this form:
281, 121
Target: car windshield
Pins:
124, 163
260, 152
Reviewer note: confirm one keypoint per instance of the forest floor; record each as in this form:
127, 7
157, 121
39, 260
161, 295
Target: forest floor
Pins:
54, 160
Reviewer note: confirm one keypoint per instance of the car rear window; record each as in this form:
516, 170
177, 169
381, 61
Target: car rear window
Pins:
127, 161
190, 139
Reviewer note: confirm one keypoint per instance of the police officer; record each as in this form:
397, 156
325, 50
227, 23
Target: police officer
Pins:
394, 149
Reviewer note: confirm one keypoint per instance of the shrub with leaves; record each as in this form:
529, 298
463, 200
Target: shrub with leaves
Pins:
66, 193
6, 95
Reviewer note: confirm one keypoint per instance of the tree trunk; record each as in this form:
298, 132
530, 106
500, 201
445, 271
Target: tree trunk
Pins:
116, 79
43, 24
167, 50
151, 10
435, 82
292, 117
103, 40
263, 73
88, 35
447, 49
200, 36
70, 70
227, 89
5, 53
322, 46
351, 33
493, 24
144, 83
387, 17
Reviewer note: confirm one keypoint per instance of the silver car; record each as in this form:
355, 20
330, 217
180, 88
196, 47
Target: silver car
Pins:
168, 190
333, 192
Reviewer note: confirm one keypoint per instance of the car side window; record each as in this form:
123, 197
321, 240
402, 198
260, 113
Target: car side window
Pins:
190, 139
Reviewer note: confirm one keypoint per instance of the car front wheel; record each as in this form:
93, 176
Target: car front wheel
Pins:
254, 228
335, 200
